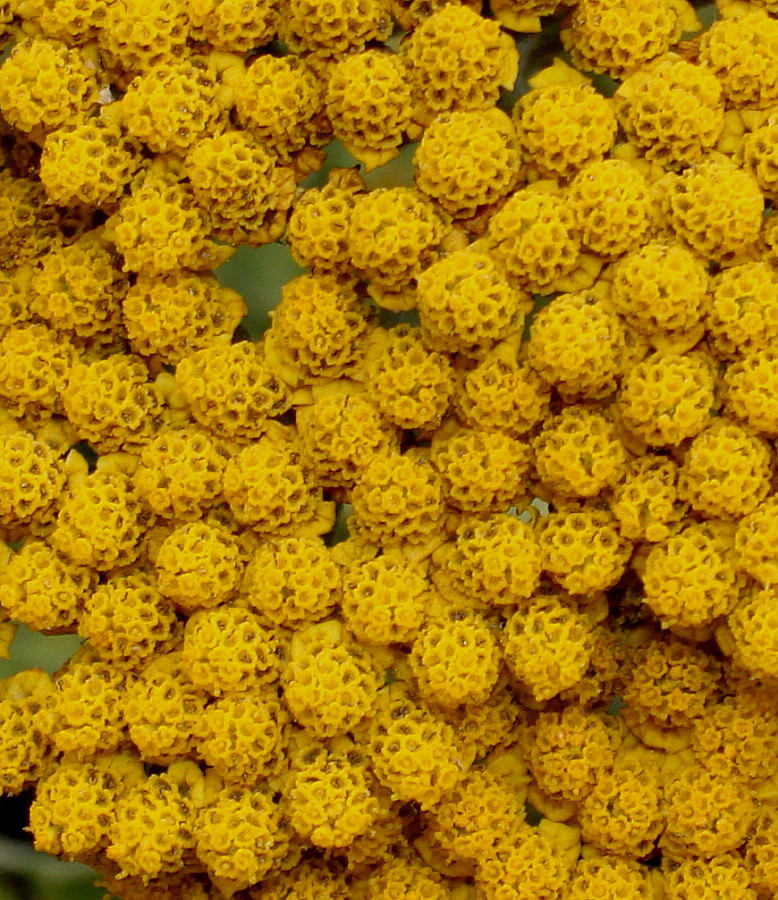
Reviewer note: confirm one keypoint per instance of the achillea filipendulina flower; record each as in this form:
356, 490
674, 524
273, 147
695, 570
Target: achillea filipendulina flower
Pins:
44, 84
239, 181
334, 644
458, 60
466, 303
369, 102
548, 645
673, 110
562, 127
173, 316
467, 160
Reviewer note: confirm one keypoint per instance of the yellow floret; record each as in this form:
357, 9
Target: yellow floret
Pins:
317, 329
231, 390
406, 879
465, 303
29, 226
155, 821
646, 503
241, 835
495, 558
563, 127
238, 181
233, 25
178, 885
394, 235
476, 815
84, 715
34, 365
318, 233
689, 579
280, 101
742, 52
721, 876
164, 711
174, 315
269, 489
480, 471
661, 290
742, 316
139, 34
369, 104
737, 740
331, 801
334, 28
726, 471
467, 160
666, 399
24, 751
458, 60
228, 649
397, 499
243, 736
569, 749
42, 591
670, 683
415, 753
111, 402
127, 620
548, 645
331, 682
754, 625
410, 13
622, 814
99, 524
534, 235
16, 296
71, 21
455, 659
75, 804
579, 345
198, 565
608, 878
45, 85
706, 815
78, 289
582, 549
410, 385
31, 481
179, 474
341, 431
501, 393
309, 880
89, 162
524, 865
618, 36
759, 155
491, 726
611, 203
578, 453
714, 207
171, 106
751, 391
673, 110
384, 600
756, 542
160, 228
760, 855
292, 582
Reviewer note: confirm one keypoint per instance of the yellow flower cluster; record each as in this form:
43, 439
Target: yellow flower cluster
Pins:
461, 582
